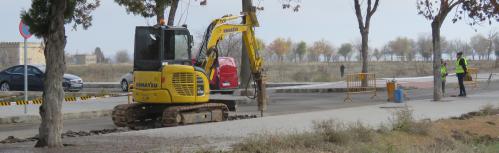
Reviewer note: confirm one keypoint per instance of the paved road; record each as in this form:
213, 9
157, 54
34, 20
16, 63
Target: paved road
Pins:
279, 104
222, 135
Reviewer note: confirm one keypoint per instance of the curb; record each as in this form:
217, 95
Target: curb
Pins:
66, 116
321, 90
69, 99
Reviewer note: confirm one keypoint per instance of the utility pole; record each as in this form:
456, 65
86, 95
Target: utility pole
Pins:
245, 68
245, 73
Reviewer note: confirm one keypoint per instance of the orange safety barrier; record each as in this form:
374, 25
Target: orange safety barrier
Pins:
354, 84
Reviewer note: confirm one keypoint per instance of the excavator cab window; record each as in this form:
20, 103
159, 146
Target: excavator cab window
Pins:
147, 48
155, 46
177, 46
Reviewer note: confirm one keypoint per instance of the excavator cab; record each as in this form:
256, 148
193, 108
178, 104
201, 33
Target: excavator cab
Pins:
156, 46
163, 70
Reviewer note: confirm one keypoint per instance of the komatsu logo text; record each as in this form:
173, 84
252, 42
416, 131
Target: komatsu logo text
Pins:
231, 30
147, 85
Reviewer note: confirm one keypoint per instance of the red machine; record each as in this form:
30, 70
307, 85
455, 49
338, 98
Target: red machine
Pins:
225, 75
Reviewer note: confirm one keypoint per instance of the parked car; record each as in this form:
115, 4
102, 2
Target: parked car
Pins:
12, 79
226, 77
126, 81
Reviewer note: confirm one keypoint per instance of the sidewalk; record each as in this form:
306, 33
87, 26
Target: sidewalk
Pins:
226, 133
92, 108
72, 110
222, 135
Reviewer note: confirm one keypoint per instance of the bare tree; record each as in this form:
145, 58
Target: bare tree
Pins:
386, 50
4, 58
459, 46
364, 25
480, 45
490, 40
403, 47
496, 48
424, 46
437, 11
324, 48
122, 56
377, 54
231, 45
280, 47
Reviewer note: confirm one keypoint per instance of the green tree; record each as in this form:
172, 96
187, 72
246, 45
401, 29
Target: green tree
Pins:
301, 50
151, 8
99, 55
437, 10
46, 19
345, 50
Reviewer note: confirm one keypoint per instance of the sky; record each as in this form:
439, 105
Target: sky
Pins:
332, 20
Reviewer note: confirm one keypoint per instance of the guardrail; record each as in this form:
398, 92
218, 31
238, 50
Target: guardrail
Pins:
355, 84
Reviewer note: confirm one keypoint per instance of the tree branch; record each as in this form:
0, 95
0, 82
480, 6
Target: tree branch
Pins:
358, 13
370, 12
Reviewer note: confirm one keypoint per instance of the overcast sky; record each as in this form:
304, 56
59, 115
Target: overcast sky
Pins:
333, 20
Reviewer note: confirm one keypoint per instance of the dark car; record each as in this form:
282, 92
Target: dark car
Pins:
12, 79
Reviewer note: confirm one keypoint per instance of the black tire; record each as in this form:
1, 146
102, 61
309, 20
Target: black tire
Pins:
124, 85
4, 86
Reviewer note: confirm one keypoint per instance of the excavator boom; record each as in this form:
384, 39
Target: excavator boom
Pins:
217, 30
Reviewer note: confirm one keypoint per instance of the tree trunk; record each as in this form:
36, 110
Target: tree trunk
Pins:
437, 56
245, 73
365, 40
50, 111
173, 10
160, 14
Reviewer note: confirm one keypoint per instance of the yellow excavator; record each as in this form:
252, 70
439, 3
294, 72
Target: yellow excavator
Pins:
169, 88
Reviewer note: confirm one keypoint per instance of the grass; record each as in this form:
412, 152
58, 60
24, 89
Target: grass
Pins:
290, 72
405, 134
325, 72
100, 72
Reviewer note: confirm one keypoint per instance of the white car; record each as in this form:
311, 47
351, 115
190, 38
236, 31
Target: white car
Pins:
126, 81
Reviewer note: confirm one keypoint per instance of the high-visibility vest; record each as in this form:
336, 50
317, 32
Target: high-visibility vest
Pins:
443, 71
459, 68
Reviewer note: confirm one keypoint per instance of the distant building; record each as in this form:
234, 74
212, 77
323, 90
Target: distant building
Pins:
84, 59
12, 53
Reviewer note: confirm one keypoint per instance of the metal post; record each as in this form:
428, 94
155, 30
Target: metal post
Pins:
25, 75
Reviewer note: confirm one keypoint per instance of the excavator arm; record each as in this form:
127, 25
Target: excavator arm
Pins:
208, 55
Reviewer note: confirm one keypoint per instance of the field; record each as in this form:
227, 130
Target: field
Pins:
100, 72
325, 72
293, 72
472, 132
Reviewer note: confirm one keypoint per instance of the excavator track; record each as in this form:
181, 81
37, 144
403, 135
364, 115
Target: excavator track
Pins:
139, 116
133, 116
209, 112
